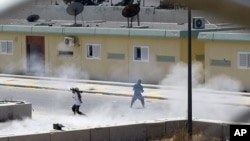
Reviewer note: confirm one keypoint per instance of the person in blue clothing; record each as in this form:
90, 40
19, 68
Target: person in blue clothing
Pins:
78, 100
138, 89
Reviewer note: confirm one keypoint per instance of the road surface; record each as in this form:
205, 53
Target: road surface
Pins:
54, 106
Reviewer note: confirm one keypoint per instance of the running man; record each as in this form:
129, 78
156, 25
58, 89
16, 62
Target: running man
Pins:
138, 89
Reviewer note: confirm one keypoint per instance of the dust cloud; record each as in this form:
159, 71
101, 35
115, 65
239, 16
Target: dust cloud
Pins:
208, 103
218, 93
178, 77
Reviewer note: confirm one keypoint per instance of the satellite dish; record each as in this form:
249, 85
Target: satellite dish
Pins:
130, 11
75, 9
33, 18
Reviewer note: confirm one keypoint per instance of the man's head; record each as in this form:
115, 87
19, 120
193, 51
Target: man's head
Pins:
74, 89
139, 81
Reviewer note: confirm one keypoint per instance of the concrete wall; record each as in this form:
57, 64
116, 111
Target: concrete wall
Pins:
15, 111
100, 134
74, 135
108, 2
140, 131
4, 139
108, 13
34, 137
156, 130
128, 132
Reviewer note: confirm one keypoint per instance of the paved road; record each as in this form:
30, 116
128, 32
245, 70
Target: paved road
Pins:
53, 106
107, 104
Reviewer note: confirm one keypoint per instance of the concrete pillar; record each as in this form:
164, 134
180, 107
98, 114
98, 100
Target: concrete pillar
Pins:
15, 110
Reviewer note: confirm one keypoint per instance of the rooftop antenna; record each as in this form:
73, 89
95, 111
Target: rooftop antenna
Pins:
74, 9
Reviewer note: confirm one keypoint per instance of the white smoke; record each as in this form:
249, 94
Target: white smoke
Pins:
203, 100
139, 72
178, 75
114, 113
110, 114
224, 83
70, 71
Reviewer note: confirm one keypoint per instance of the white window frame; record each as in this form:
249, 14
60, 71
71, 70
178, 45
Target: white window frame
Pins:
142, 58
8, 48
246, 64
96, 51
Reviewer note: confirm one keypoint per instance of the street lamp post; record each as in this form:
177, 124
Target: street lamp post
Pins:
189, 124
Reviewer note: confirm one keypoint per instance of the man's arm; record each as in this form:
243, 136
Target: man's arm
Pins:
142, 89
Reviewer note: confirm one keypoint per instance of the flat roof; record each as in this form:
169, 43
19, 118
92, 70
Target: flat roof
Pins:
106, 28
99, 23
224, 36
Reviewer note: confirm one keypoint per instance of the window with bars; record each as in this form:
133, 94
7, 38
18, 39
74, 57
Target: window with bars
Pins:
141, 53
94, 51
244, 60
6, 47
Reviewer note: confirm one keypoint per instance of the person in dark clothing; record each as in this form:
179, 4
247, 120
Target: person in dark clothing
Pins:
138, 89
78, 100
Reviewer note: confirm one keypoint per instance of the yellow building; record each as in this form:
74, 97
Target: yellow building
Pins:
96, 53
227, 54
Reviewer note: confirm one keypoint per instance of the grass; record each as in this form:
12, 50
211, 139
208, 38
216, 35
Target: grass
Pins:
181, 135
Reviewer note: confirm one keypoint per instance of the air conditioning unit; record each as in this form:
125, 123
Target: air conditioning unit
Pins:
69, 41
198, 22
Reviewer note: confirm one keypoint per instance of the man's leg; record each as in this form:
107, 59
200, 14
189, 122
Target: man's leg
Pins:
142, 101
132, 101
74, 109
77, 109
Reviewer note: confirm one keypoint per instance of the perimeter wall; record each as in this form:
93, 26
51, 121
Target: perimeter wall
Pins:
135, 132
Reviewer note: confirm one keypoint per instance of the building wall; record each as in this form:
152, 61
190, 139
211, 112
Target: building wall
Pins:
197, 50
13, 63
221, 57
127, 69
163, 53
104, 68
153, 71
62, 65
